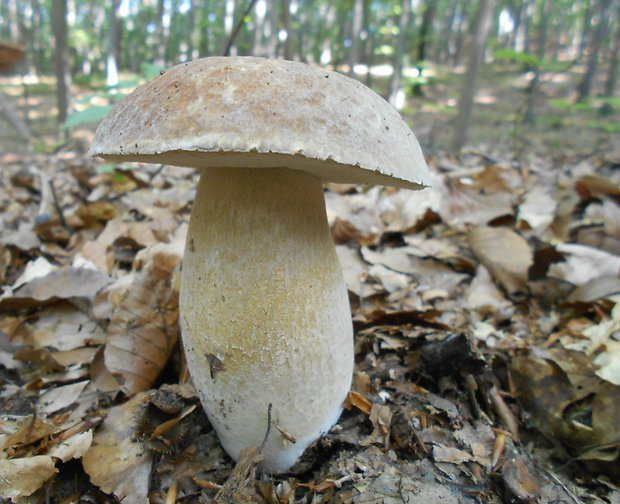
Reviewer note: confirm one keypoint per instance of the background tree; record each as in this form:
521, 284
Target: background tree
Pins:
389, 38
61, 58
595, 47
476, 55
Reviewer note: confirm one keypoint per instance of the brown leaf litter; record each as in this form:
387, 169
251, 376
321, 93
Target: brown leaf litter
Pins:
487, 317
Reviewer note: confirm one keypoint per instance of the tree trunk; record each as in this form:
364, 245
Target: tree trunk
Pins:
356, 31
517, 14
271, 29
426, 29
612, 72
597, 39
285, 24
476, 55
543, 30
527, 31
534, 88
460, 34
229, 20
160, 50
585, 28
397, 61
326, 55
112, 54
61, 58
445, 49
38, 56
240, 22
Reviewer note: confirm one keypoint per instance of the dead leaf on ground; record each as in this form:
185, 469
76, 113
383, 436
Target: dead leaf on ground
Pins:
583, 264
117, 462
505, 254
538, 209
24, 476
143, 329
61, 283
568, 402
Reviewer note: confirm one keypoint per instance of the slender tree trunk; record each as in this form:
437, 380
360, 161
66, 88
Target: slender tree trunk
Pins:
426, 29
543, 30
160, 50
612, 72
476, 55
204, 33
517, 14
285, 24
445, 50
305, 37
112, 53
14, 23
326, 54
460, 34
356, 31
597, 41
365, 48
397, 62
271, 29
229, 20
527, 35
240, 22
534, 87
61, 57
585, 28
260, 15
561, 27
37, 47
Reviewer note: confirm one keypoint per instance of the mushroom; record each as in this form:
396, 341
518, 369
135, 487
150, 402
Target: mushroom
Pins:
264, 310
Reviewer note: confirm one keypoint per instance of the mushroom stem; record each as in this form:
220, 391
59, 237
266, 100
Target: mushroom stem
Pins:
265, 314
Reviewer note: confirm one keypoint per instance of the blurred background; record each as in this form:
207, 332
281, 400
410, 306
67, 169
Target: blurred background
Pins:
495, 75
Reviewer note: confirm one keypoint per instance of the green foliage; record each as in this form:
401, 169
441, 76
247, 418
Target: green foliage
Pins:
150, 70
93, 113
518, 56
563, 104
606, 126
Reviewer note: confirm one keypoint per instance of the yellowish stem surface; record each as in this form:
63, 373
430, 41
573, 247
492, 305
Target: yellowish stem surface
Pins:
264, 311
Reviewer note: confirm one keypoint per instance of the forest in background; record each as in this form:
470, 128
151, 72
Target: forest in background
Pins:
398, 47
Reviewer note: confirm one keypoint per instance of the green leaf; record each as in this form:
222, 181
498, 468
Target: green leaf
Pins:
91, 114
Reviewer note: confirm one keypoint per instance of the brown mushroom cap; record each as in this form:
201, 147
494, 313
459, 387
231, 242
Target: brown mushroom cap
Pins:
256, 113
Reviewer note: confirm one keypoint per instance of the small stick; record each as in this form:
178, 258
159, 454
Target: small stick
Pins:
504, 412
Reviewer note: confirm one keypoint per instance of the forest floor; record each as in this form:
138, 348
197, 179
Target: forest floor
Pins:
486, 312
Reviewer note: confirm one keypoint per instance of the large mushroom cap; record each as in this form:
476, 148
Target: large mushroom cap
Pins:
253, 113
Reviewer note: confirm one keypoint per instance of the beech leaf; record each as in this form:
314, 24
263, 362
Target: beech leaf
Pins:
505, 254
115, 462
143, 329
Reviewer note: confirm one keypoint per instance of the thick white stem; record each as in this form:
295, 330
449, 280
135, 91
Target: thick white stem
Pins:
264, 311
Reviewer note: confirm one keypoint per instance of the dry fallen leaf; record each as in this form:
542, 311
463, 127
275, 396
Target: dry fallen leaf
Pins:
583, 264
58, 398
143, 329
117, 462
505, 254
520, 481
61, 283
538, 208
24, 476
449, 454
21, 477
